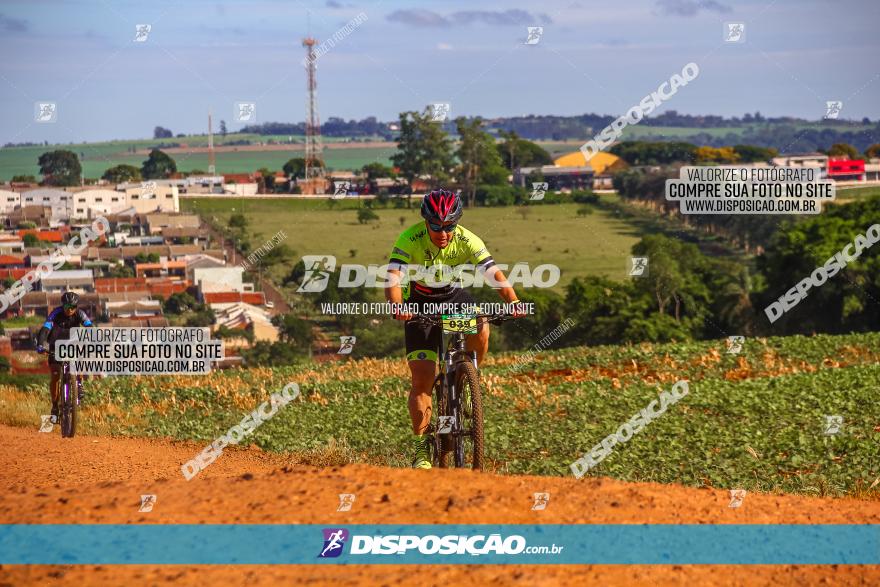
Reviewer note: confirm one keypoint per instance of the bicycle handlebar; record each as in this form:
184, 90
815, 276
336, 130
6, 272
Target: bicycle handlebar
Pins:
435, 319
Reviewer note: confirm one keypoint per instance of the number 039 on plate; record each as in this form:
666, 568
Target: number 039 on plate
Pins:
464, 323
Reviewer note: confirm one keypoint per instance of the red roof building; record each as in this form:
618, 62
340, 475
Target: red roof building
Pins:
49, 236
10, 261
15, 274
238, 178
233, 297
165, 288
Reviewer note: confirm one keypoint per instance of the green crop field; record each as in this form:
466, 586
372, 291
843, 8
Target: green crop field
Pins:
846, 194
96, 159
594, 244
755, 420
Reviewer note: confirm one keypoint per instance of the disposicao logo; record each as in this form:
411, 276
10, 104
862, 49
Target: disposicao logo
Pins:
334, 541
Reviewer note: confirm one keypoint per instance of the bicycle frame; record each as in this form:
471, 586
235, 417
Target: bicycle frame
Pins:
451, 353
454, 345
66, 376
69, 397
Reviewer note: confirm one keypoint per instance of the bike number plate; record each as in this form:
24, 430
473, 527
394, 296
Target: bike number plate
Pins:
463, 323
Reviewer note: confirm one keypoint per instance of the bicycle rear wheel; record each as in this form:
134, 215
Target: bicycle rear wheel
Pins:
68, 407
470, 446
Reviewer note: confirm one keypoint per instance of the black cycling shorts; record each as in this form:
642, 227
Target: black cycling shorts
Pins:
422, 340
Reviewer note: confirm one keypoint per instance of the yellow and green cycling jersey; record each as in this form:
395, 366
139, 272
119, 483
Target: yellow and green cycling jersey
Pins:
414, 249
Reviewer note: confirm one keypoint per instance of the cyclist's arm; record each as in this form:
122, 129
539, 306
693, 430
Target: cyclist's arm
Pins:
84, 319
394, 293
43, 335
481, 257
396, 263
505, 290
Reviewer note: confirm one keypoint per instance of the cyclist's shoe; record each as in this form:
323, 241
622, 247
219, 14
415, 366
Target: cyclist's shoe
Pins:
422, 446
55, 413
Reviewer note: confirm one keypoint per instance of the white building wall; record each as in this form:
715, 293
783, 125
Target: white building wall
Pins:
9, 201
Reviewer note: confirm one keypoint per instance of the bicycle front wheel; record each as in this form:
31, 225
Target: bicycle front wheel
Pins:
469, 449
68, 407
445, 443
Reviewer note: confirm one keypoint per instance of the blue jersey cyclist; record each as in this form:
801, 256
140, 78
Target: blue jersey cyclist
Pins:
57, 327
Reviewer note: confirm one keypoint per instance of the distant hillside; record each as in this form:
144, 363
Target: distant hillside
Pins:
787, 134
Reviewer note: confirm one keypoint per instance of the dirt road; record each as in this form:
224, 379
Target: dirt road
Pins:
249, 486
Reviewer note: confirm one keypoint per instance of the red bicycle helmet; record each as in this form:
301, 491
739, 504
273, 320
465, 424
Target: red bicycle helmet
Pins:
442, 206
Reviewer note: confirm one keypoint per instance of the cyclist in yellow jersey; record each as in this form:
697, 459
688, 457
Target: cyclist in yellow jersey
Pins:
439, 240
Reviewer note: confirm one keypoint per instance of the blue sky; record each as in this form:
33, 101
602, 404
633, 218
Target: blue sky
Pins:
594, 56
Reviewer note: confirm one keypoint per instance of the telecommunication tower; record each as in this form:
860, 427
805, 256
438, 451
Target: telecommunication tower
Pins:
314, 183
212, 164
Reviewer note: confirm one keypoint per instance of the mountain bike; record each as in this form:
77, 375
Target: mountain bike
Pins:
457, 424
68, 401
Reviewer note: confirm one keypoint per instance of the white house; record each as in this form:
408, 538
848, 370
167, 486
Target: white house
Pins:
220, 279
79, 280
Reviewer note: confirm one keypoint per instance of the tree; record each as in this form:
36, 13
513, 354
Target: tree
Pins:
279, 255
870, 153
517, 152
180, 303
751, 154
265, 180
508, 148
223, 128
723, 155
162, 133
843, 150
274, 354
31, 240
200, 319
158, 166
294, 330
295, 168
423, 148
673, 276
122, 174
846, 302
366, 215
121, 271
480, 161
238, 222
654, 153
23, 179
237, 229
377, 170
224, 331
60, 168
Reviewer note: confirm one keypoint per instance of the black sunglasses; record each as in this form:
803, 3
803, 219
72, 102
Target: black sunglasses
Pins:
438, 227
70, 306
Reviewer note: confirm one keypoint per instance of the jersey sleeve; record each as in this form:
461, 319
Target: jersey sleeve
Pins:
84, 319
401, 254
479, 254
50, 319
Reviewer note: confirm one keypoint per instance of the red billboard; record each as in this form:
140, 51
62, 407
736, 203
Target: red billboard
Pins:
846, 167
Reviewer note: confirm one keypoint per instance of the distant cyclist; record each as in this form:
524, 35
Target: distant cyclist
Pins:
57, 327
439, 240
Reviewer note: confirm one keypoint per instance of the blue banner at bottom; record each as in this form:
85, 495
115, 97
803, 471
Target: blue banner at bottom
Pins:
655, 544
